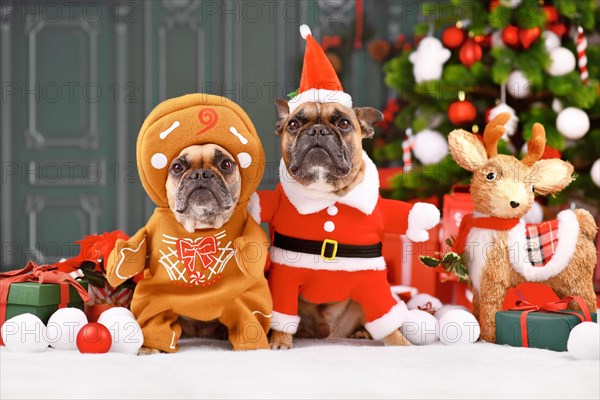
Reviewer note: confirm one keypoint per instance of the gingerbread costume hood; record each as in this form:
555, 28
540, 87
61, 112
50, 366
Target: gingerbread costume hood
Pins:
197, 119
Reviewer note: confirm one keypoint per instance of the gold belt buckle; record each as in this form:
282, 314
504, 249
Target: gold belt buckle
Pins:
335, 247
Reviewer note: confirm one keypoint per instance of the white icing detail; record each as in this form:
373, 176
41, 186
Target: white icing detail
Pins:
332, 210
263, 314
238, 135
164, 134
122, 255
172, 345
159, 161
568, 233
329, 226
245, 159
311, 261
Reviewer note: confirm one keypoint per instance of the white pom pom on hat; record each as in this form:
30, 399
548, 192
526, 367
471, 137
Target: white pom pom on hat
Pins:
305, 31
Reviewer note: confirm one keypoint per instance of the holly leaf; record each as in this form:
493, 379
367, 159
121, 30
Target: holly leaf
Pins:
429, 261
293, 94
93, 277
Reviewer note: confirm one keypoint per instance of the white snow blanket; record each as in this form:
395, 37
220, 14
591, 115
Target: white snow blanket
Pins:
323, 369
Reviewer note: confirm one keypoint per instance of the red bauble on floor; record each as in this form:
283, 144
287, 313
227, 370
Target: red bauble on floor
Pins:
94, 338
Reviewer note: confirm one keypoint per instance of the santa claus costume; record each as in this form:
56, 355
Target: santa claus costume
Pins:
325, 247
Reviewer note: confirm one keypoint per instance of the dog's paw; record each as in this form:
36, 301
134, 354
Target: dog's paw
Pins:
146, 351
281, 341
361, 334
396, 338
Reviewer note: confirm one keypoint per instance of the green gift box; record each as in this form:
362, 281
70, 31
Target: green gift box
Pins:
545, 330
41, 299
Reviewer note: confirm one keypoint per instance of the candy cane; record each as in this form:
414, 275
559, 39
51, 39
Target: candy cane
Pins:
407, 145
581, 56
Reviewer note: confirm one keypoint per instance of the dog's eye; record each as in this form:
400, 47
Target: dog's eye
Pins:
491, 176
344, 123
226, 165
176, 168
293, 125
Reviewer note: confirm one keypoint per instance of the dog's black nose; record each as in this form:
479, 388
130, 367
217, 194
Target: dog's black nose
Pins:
514, 204
204, 173
319, 130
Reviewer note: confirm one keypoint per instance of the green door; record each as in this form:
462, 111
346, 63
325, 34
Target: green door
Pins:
79, 77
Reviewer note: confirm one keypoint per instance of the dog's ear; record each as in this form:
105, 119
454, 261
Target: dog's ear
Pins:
282, 113
367, 116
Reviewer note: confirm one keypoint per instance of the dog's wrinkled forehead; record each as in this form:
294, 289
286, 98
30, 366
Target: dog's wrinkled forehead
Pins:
322, 112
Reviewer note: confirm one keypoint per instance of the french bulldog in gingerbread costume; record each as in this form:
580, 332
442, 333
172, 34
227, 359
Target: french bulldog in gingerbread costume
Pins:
203, 255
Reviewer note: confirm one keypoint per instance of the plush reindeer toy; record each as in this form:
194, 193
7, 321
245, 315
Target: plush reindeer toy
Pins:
500, 250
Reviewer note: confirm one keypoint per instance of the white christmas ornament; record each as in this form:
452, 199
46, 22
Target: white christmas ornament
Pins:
448, 307
424, 301
459, 327
562, 61
584, 341
115, 311
127, 336
551, 40
595, 172
518, 86
420, 327
510, 3
25, 333
63, 327
573, 123
557, 105
428, 59
430, 146
535, 215
513, 122
497, 40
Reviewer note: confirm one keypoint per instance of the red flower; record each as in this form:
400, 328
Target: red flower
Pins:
92, 248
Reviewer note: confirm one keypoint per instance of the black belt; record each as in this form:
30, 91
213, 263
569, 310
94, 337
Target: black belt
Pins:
328, 248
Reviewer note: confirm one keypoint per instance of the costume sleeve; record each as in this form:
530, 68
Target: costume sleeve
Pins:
412, 220
269, 202
127, 258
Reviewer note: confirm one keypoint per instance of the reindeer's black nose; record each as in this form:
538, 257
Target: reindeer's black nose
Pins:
514, 204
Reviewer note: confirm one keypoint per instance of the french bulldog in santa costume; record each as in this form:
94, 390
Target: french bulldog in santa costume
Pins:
326, 216
203, 253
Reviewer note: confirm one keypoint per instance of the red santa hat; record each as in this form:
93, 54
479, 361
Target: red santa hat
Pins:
319, 82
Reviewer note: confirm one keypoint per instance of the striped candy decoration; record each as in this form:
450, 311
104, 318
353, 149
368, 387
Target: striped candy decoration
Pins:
108, 295
407, 146
581, 56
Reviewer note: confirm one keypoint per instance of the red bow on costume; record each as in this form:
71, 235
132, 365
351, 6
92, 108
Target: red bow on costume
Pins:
468, 222
554, 306
42, 274
189, 251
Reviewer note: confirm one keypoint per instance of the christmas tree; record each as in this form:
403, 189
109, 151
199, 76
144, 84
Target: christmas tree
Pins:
538, 60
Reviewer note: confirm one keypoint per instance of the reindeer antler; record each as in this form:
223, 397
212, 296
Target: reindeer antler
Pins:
493, 132
535, 147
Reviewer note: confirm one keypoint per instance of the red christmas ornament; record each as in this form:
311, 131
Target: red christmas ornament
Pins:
494, 4
528, 36
470, 53
461, 112
94, 338
510, 36
484, 41
559, 29
551, 14
453, 37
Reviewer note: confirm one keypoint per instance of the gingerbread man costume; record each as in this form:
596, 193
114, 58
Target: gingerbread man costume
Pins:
210, 273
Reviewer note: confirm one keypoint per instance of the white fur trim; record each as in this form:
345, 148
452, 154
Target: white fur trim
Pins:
363, 197
320, 96
422, 216
479, 243
305, 31
284, 323
254, 207
313, 261
568, 232
388, 322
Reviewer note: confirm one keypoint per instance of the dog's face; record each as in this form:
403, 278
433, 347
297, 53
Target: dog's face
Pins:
321, 143
203, 186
